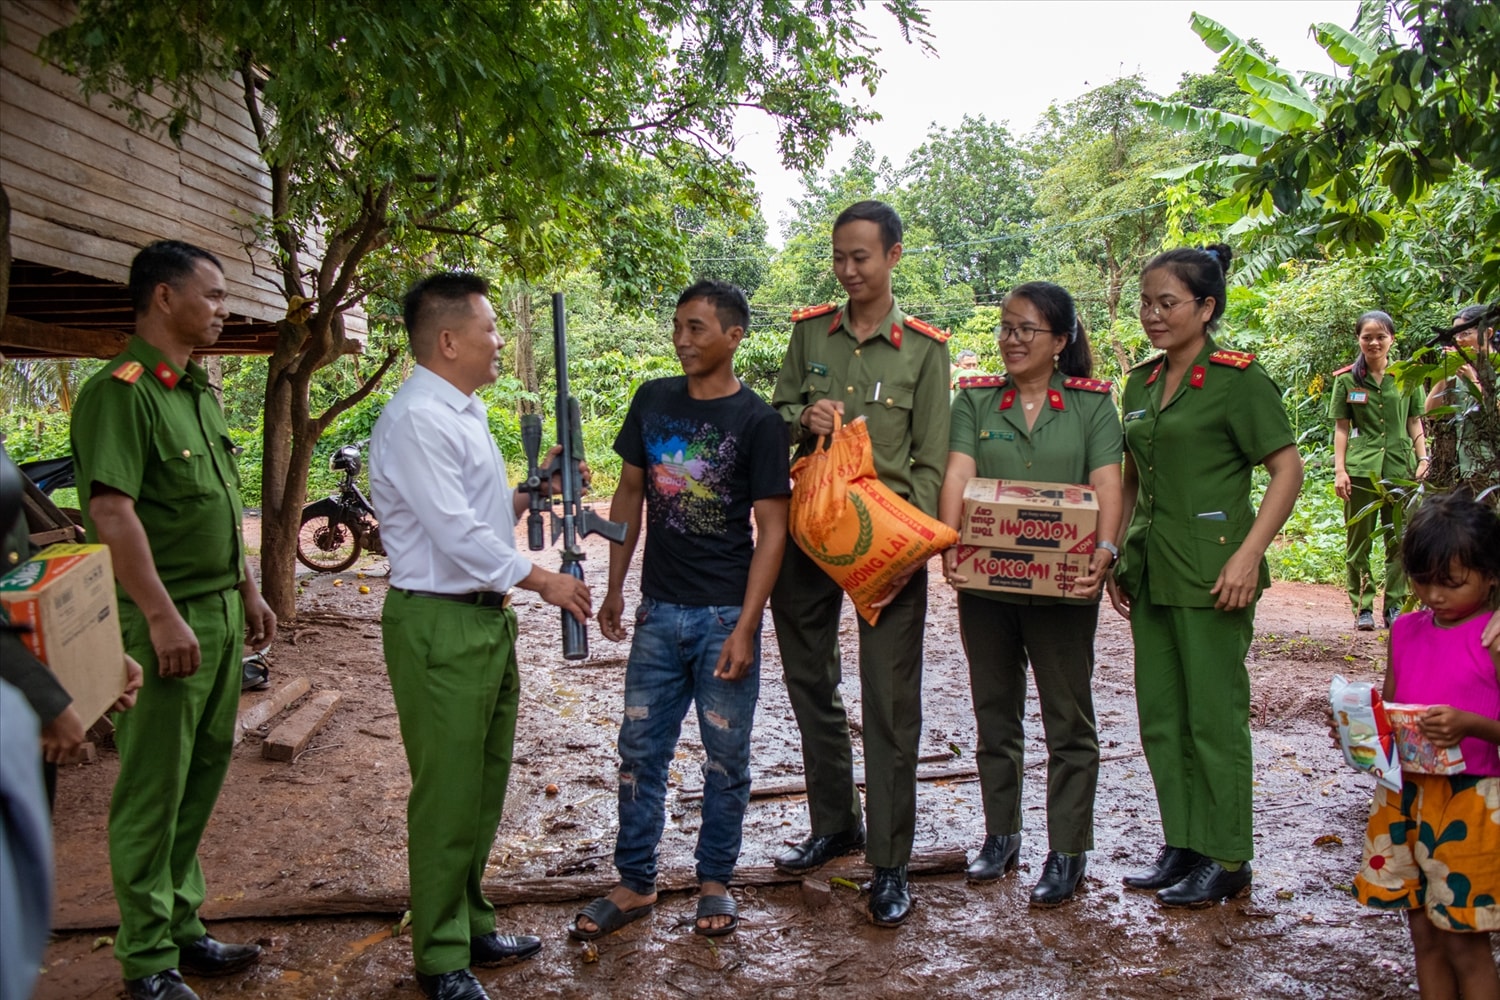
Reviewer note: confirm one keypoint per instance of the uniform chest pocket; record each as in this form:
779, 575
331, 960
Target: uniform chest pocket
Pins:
888, 408
185, 471
815, 386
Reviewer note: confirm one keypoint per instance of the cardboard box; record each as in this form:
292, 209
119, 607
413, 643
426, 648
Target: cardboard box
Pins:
66, 594
1026, 538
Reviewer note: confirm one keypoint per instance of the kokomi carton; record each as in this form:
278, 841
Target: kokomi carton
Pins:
1026, 538
65, 595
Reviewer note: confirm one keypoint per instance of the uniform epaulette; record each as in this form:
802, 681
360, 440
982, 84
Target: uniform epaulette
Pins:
1347, 368
1089, 384
1149, 361
982, 382
1234, 359
812, 312
129, 372
927, 329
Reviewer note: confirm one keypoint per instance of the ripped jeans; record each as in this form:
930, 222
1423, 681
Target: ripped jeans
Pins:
672, 659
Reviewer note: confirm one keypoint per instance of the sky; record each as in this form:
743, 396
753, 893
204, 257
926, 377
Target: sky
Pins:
1009, 59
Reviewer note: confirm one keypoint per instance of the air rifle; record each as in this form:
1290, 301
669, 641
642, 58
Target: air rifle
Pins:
574, 519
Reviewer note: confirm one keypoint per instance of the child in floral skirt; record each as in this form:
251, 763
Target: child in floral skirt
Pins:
1433, 849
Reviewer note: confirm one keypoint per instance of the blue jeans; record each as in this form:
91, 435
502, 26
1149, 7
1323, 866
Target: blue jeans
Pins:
672, 660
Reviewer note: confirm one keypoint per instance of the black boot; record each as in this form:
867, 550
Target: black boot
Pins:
1206, 884
815, 852
1000, 854
209, 957
890, 901
166, 985
1172, 866
459, 985
1060, 877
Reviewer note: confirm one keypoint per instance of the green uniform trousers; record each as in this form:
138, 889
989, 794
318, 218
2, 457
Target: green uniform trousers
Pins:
1192, 693
806, 606
998, 638
174, 746
453, 673
1359, 537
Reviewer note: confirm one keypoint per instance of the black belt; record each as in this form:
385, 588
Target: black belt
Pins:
478, 598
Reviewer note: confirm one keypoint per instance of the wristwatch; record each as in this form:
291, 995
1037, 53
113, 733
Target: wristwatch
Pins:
1111, 549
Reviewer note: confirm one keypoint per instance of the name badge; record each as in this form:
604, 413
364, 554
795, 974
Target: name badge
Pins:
997, 435
816, 368
1358, 396
1134, 415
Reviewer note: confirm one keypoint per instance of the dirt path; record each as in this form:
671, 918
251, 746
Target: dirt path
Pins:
331, 825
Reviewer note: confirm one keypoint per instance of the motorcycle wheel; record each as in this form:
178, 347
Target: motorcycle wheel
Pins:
327, 543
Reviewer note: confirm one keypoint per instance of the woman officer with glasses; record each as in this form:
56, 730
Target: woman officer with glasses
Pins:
1044, 420
1197, 421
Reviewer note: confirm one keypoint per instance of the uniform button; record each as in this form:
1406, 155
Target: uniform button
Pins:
1221, 539
186, 453
14, 557
856, 352
850, 389
889, 401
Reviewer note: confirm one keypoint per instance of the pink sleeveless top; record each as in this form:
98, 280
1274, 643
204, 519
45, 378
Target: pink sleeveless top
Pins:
1448, 666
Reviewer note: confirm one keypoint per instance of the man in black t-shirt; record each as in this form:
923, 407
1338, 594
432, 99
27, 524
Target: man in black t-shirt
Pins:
703, 452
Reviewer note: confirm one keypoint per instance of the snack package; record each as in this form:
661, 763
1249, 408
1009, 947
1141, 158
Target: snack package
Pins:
1364, 731
1417, 752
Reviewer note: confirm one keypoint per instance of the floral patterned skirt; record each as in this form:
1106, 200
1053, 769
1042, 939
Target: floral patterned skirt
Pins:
1436, 845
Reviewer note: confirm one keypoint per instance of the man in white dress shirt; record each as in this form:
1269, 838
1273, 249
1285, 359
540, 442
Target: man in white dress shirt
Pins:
447, 518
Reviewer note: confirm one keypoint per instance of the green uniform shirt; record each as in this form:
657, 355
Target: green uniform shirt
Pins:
1193, 459
156, 433
1379, 446
1076, 432
897, 380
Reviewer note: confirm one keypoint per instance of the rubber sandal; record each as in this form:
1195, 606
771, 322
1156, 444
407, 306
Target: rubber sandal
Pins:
716, 906
607, 918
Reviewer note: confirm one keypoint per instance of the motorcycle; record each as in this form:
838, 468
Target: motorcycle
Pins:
338, 529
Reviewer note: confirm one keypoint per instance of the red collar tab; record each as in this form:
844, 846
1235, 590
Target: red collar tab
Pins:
928, 330
811, 312
1199, 374
1344, 370
1154, 372
1088, 384
896, 335
833, 324
165, 375
1055, 400
982, 382
1008, 399
129, 372
1234, 359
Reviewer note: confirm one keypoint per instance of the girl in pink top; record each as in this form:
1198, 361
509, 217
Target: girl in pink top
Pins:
1433, 850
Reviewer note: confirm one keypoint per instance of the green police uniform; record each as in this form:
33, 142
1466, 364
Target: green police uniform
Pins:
898, 380
1076, 432
155, 433
1193, 456
1379, 448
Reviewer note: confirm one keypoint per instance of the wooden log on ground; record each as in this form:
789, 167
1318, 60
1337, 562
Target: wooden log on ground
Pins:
289, 739
269, 707
502, 892
796, 786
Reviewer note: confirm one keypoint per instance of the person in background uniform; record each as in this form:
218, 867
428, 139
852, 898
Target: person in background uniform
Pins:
447, 518
1377, 435
967, 363
1045, 420
1197, 421
157, 483
1461, 390
866, 359
702, 452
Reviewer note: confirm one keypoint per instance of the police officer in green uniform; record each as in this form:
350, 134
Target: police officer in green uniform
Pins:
866, 359
1045, 420
1197, 421
157, 483
1377, 435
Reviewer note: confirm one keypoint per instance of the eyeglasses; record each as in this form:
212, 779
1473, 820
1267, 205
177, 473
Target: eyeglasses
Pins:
1021, 334
1159, 310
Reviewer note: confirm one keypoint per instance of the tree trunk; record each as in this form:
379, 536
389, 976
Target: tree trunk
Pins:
526, 351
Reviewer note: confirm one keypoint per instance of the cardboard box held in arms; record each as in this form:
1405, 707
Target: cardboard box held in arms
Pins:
66, 594
1026, 538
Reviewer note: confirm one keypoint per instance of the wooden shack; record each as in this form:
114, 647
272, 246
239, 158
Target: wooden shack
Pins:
87, 191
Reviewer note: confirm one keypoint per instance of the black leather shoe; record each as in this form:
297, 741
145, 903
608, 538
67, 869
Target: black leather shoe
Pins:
459, 985
166, 985
890, 901
1365, 621
1391, 614
494, 949
815, 852
1060, 877
207, 957
1207, 884
1000, 854
1172, 866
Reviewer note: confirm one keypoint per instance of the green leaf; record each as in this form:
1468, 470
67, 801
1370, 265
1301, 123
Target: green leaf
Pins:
1343, 47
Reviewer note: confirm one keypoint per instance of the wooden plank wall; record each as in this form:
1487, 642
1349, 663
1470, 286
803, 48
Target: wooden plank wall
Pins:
87, 190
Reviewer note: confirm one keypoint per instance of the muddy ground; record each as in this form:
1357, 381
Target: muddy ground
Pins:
326, 833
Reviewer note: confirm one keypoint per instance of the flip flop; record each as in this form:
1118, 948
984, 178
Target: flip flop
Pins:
607, 918
716, 906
